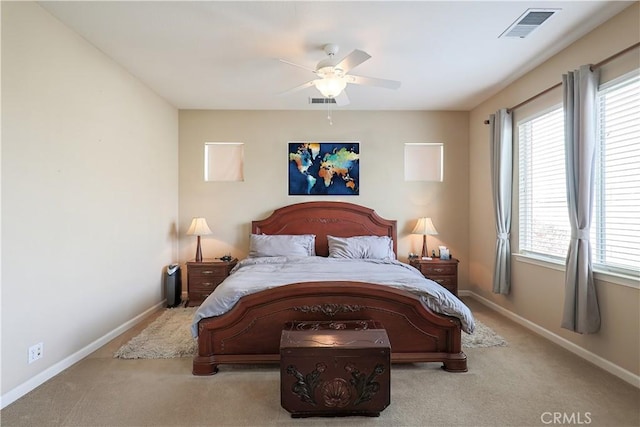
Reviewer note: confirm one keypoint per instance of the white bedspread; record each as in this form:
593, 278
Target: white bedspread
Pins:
252, 275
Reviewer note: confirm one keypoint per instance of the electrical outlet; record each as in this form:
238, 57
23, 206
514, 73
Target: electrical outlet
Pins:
35, 352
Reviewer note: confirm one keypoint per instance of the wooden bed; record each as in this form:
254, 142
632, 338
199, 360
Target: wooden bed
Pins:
250, 332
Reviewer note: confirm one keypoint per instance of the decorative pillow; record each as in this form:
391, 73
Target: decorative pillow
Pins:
361, 247
282, 245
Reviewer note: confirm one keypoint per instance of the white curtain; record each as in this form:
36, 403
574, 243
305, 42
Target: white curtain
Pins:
501, 173
581, 312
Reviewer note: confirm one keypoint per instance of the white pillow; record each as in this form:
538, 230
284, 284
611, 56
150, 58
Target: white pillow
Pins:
361, 247
282, 245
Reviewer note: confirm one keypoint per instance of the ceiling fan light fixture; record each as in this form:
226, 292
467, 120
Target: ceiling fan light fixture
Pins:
332, 76
331, 87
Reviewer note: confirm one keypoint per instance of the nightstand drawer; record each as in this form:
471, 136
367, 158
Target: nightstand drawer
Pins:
197, 277
207, 272
196, 297
204, 284
438, 269
446, 281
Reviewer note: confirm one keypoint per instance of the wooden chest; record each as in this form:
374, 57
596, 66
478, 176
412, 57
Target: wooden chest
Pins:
334, 368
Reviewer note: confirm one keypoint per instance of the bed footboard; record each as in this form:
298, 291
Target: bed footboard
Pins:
250, 332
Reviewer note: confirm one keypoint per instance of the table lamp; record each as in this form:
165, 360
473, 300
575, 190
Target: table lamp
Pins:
198, 228
425, 227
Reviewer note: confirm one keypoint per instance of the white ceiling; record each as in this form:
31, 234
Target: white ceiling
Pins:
224, 55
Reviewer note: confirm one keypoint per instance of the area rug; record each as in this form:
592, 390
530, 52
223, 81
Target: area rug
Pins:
169, 336
482, 337
166, 337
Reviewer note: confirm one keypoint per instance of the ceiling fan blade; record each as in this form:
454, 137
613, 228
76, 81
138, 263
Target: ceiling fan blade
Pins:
342, 99
370, 81
297, 65
352, 60
298, 88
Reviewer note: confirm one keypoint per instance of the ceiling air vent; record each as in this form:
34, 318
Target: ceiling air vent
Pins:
527, 22
322, 101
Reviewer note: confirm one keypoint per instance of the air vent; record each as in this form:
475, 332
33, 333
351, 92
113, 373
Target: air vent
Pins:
527, 22
322, 101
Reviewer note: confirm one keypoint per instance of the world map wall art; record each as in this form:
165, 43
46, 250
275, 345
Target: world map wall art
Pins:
324, 168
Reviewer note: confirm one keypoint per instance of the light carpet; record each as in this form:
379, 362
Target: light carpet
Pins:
169, 336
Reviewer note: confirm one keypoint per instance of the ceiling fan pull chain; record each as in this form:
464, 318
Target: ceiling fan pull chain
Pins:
329, 114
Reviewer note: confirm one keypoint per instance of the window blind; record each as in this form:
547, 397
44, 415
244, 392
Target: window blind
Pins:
544, 224
615, 234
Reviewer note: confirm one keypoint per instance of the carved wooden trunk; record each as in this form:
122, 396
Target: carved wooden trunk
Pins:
334, 368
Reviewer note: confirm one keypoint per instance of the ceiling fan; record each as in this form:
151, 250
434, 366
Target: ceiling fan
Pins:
333, 76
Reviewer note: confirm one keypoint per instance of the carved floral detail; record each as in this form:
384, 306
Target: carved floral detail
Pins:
336, 393
328, 309
305, 385
323, 220
337, 325
365, 385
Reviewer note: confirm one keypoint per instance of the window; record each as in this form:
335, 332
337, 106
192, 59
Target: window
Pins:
544, 222
223, 161
424, 161
616, 228
615, 231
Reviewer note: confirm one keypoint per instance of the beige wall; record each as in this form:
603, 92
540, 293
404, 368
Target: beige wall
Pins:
229, 207
89, 194
537, 293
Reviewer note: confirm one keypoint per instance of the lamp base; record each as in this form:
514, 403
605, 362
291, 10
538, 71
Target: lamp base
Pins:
198, 251
425, 252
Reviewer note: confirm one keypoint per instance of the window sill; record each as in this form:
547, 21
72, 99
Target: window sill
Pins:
603, 276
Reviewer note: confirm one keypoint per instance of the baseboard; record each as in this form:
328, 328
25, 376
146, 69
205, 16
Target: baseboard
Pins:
24, 388
599, 361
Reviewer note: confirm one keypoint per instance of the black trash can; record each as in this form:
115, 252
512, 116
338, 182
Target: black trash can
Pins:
173, 285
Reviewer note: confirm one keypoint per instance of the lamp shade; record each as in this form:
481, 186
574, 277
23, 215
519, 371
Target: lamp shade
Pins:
425, 227
331, 87
198, 227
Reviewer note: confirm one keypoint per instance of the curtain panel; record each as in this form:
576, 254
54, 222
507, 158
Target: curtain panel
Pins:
581, 311
501, 186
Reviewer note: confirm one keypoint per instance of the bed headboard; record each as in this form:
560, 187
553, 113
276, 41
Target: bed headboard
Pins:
339, 219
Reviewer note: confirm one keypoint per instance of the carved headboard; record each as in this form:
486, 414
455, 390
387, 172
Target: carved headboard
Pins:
339, 219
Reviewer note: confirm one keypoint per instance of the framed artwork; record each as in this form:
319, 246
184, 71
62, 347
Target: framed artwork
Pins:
324, 168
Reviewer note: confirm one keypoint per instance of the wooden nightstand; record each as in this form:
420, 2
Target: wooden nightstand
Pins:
442, 271
203, 277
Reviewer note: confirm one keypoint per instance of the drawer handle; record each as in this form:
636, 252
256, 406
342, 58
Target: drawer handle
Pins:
441, 281
207, 284
207, 272
438, 270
